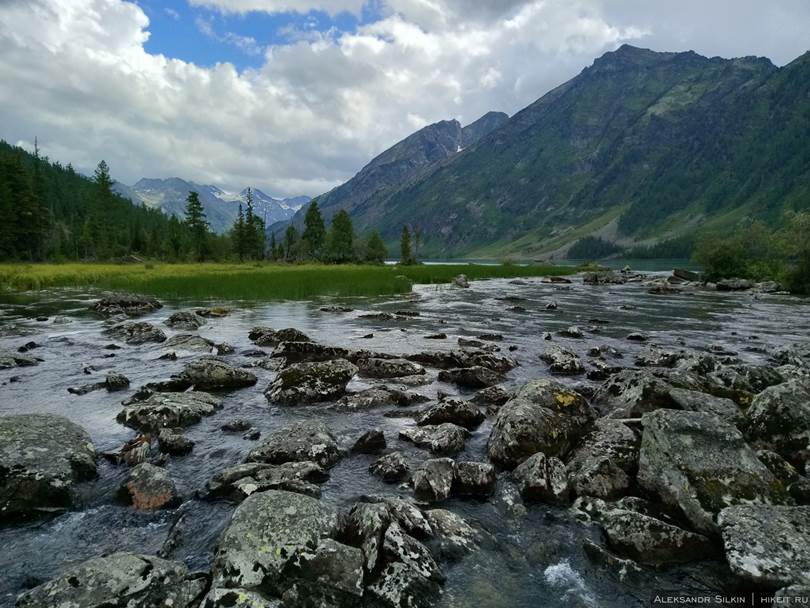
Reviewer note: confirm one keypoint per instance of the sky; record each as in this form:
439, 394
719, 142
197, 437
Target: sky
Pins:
295, 96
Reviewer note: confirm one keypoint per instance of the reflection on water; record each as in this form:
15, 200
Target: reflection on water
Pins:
534, 559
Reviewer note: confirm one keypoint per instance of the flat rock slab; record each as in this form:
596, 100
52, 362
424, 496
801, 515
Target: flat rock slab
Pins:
768, 545
304, 441
211, 374
311, 382
161, 410
137, 333
240, 481
42, 456
126, 304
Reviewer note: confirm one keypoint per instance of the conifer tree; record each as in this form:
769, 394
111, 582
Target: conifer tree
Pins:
238, 235
314, 232
197, 226
290, 242
405, 256
341, 238
376, 251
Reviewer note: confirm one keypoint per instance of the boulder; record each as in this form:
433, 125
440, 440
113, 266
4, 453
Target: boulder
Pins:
767, 545
171, 410
604, 464
137, 333
562, 361
116, 382
603, 277
452, 537
433, 480
42, 457
311, 382
150, 487
120, 579
370, 442
267, 336
461, 281
656, 357
695, 401
779, 416
299, 352
331, 574
126, 304
213, 374
240, 481
190, 342
391, 468
476, 376
185, 321
464, 358
570, 332
371, 398
742, 382
446, 438
303, 441
701, 464
214, 312
454, 410
10, 360
543, 416
237, 425
174, 443
634, 392
542, 479
388, 368
734, 285
492, 397
474, 479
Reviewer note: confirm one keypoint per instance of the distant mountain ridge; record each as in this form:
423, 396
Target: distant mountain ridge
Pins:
221, 207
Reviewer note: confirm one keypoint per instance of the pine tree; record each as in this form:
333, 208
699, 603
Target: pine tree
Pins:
290, 242
341, 238
406, 256
238, 235
273, 248
197, 226
376, 251
314, 232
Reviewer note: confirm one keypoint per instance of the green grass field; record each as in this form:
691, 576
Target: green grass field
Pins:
252, 282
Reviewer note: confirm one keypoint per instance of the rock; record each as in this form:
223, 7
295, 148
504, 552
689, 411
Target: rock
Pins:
552, 305
437, 336
311, 382
663, 287
42, 457
453, 537
654, 357
331, 574
490, 337
336, 309
370, 442
634, 392
767, 545
185, 321
694, 401
252, 435
172, 442
300, 442
562, 361
474, 479
701, 464
686, 275
433, 479
190, 342
388, 368
391, 468
471, 377
780, 417
543, 416
213, 374
637, 337
10, 360
605, 462
602, 370
377, 397
267, 336
171, 410
605, 277
446, 438
150, 487
399, 585
464, 358
571, 332
215, 312
742, 382
542, 479
237, 425
492, 396
461, 281
120, 579
237, 598
116, 382
240, 481
299, 352
451, 409
126, 304
268, 535
734, 285
137, 333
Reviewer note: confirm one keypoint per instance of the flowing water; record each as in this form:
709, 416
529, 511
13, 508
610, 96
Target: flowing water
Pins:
526, 559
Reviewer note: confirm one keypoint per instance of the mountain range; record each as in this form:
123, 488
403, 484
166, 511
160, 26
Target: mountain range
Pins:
640, 148
221, 207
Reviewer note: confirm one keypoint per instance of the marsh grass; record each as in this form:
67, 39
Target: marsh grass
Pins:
252, 282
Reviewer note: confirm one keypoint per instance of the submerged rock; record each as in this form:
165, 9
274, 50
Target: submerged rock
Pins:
267, 336
476, 376
212, 374
303, 441
126, 304
137, 333
311, 382
120, 579
185, 321
150, 487
10, 360
171, 410
42, 457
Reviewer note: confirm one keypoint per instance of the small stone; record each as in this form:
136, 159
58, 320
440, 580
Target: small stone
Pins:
391, 468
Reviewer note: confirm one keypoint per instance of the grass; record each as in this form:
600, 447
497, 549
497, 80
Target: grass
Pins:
252, 282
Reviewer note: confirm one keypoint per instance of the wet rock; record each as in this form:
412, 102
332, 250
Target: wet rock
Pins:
240, 481
388, 368
686, 275
491, 396
634, 392
734, 285
562, 361
471, 377
663, 287
542, 479
120, 579
399, 585
701, 464
116, 382
602, 370
126, 304
185, 321
433, 479
213, 374
252, 435
215, 312
468, 343
42, 457
552, 305
311, 382
267, 336
604, 277
391, 468
654, 357
543, 416
605, 462
453, 537
474, 479
174, 443
378, 397
438, 336
331, 574
637, 337
458, 411
267, 536
137, 333
336, 309
370, 442
299, 352
779, 416
742, 382
572, 332
446, 438
300, 442
190, 342
237, 425
171, 410
490, 337
461, 281
464, 358
237, 598
768, 545
626, 570
695, 401
150, 487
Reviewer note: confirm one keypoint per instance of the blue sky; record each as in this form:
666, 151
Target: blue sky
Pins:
207, 36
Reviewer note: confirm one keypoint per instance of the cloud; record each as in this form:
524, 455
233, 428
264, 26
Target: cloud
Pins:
75, 73
331, 7
247, 44
172, 13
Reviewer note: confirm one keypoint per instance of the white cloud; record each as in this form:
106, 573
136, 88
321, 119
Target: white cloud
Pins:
172, 13
76, 74
247, 44
332, 7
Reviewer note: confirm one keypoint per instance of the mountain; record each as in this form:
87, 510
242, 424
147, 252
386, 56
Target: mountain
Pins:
221, 207
639, 148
